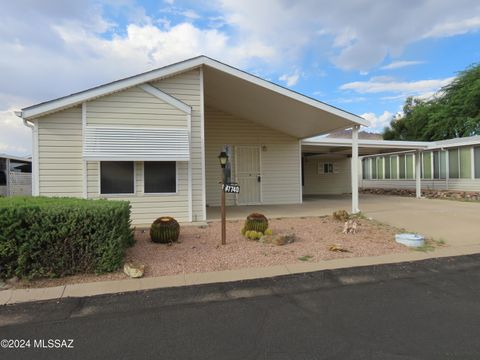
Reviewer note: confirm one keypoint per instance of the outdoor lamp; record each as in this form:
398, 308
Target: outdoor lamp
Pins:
223, 158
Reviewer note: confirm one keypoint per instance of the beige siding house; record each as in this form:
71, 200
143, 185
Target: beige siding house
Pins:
154, 139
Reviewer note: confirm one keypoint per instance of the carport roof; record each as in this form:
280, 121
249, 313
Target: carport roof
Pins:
231, 90
332, 146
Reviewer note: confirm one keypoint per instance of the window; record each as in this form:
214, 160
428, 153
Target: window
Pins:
20, 166
374, 168
379, 168
427, 165
160, 176
409, 166
477, 162
401, 162
366, 169
465, 163
387, 167
117, 177
328, 168
453, 164
393, 167
439, 164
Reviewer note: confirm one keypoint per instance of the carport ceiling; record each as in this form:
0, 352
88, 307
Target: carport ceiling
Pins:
248, 100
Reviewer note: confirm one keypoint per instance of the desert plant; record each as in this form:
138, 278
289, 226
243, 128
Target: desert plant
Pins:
341, 215
256, 222
254, 235
268, 232
165, 230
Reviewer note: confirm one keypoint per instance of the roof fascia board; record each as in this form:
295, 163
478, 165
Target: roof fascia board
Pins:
180, 105
106, 89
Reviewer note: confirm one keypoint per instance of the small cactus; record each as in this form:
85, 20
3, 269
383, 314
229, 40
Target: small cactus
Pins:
164, 230
268, 232
256, 222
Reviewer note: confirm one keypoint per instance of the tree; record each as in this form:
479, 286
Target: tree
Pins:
453, 112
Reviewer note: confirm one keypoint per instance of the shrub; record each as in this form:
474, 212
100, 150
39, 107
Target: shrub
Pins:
341, 215
164, 230
256, 222
62, 236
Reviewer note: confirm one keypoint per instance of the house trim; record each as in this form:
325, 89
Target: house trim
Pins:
180, 105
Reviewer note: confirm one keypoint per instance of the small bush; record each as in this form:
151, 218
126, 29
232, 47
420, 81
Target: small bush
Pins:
341, 215
62, 236
165, 230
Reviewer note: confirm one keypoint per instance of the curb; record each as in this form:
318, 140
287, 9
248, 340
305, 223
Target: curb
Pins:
80, 290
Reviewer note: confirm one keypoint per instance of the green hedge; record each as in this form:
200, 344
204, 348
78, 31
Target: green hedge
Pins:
62, 236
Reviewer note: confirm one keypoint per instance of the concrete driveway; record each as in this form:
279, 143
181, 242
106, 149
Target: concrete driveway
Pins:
456, 222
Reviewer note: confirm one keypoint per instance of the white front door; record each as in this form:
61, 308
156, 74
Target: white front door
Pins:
247, 160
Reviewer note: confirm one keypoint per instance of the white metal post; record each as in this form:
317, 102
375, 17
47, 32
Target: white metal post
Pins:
354, 168
418, 184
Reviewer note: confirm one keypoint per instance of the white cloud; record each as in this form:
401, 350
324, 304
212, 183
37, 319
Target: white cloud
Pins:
361, 34
387, 84
290, 79
452, 28
15, 138
401, 64
377, 123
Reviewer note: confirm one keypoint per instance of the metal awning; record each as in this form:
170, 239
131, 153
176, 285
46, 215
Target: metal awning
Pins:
136, 144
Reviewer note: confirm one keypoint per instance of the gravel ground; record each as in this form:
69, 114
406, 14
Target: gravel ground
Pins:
199, 249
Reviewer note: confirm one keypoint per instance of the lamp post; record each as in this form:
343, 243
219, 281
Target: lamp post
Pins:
223, 158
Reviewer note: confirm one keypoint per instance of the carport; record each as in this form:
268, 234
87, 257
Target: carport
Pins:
328, 153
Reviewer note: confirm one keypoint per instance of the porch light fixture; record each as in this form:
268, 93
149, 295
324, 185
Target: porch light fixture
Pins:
223, 158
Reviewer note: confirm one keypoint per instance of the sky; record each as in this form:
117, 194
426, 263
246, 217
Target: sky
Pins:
364, 56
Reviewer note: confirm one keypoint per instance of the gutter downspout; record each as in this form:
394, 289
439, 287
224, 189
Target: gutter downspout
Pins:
34, 151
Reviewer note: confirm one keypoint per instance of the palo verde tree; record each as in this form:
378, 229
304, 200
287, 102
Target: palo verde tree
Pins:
453, 112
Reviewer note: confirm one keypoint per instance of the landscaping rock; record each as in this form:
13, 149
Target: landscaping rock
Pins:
133, 270
278, 239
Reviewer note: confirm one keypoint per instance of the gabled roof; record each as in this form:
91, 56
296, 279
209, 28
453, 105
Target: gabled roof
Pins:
170, 70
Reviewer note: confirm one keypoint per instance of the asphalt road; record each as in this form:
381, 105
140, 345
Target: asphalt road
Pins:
422, 310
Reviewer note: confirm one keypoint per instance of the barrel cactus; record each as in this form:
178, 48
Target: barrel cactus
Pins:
165, 230
256, 222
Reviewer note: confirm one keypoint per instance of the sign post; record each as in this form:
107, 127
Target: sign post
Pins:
223, 158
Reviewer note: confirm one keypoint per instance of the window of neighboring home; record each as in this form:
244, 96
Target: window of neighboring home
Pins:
374, 168
465, 156
328, 168
476, 155
380, 172
387, 167
160, 177
453, 164
393, 167
20, 166
409, 171
427, 165
439, 164
117, 177
401, 166
366, 169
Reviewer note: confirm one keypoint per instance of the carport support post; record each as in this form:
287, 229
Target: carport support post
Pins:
418, 184
354, 172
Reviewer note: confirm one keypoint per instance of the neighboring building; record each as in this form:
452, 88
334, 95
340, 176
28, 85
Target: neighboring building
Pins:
15, 175
444, 165
153, 139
